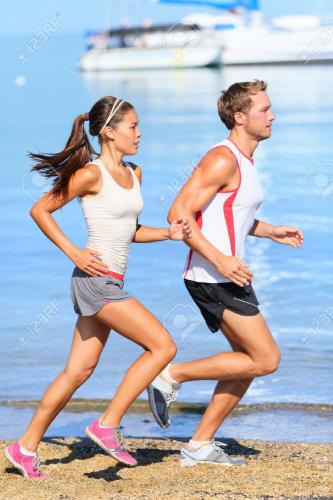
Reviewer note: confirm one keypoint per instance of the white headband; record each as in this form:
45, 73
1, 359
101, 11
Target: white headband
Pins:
113, 111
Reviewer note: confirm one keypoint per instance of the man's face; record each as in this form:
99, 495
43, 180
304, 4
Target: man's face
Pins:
258, 120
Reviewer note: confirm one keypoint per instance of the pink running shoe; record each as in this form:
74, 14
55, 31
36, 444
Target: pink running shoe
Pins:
27, 465
111, 440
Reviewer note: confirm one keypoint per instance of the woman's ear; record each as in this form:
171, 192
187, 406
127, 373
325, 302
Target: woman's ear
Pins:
109, 133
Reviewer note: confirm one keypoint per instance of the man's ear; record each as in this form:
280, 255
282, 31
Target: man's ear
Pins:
239, 118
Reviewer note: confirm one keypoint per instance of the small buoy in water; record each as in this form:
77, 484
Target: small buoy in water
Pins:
20, 80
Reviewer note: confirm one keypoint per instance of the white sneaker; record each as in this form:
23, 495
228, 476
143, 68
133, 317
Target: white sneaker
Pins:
209, 453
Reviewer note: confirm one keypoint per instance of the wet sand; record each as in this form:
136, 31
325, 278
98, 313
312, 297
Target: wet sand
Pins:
82, 405
79, 469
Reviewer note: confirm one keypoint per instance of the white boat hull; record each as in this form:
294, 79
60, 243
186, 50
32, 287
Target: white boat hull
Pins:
150, 58
273, 47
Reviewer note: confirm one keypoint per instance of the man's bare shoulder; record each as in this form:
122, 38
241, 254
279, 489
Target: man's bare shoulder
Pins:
218, 161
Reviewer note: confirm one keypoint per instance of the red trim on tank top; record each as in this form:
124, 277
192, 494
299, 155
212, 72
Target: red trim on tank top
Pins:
198, 219
229, 219
248, 157
228, 204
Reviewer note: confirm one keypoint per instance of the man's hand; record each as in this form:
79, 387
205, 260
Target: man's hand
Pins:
287, 235
234, 269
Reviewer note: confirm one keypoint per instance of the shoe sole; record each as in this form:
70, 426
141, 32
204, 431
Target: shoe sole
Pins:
154, 410
16, 465
108, 451
194, 462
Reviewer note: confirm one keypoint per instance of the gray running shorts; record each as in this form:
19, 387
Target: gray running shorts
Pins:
90, 293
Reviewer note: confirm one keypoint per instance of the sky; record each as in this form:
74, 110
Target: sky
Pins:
75, 16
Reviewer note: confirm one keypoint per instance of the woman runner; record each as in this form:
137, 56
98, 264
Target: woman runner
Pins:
109, 191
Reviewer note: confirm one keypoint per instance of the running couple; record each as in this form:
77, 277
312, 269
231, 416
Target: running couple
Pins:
224, 193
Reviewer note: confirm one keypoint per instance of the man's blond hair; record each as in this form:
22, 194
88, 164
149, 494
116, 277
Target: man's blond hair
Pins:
237, 98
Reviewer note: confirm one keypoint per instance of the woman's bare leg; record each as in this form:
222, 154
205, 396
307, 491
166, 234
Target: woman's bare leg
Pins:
133, 321
89, 339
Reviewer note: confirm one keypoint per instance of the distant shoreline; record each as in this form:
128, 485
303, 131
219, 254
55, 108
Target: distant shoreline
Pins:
82, 405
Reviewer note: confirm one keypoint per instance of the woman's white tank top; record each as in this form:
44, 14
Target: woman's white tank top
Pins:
111, 218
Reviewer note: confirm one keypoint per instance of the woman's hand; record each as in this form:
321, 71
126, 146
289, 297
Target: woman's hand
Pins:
86, 259
180, 229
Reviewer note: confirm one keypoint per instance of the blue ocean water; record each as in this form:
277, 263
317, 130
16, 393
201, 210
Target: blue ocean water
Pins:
292, 425
42, 92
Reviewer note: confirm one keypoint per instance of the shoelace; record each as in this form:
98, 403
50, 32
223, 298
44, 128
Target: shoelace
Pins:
171, 397
120, 439
36, 464
218, 445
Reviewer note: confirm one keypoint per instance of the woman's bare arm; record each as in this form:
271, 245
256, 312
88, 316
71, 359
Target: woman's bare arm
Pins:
146, 234
81, 183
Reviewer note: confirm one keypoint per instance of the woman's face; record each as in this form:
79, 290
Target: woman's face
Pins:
126, 134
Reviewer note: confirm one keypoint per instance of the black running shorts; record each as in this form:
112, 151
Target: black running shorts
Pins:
213, 298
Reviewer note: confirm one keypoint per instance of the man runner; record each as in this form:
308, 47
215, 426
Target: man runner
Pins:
224, 193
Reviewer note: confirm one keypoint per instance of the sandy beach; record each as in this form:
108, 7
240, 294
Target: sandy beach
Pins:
79, 469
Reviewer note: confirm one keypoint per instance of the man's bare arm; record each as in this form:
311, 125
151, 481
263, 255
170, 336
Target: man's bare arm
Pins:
286, 235
215, 171
261, 229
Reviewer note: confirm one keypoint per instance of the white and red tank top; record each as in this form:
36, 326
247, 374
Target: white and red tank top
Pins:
225, 221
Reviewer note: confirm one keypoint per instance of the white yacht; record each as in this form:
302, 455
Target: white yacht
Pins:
289, 39
151, 47
244, 38
238, 36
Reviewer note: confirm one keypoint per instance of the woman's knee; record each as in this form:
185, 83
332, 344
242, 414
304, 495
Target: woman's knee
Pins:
166, 349
79, 375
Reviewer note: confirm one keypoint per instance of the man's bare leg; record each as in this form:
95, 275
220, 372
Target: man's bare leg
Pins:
226, 397
255, 354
